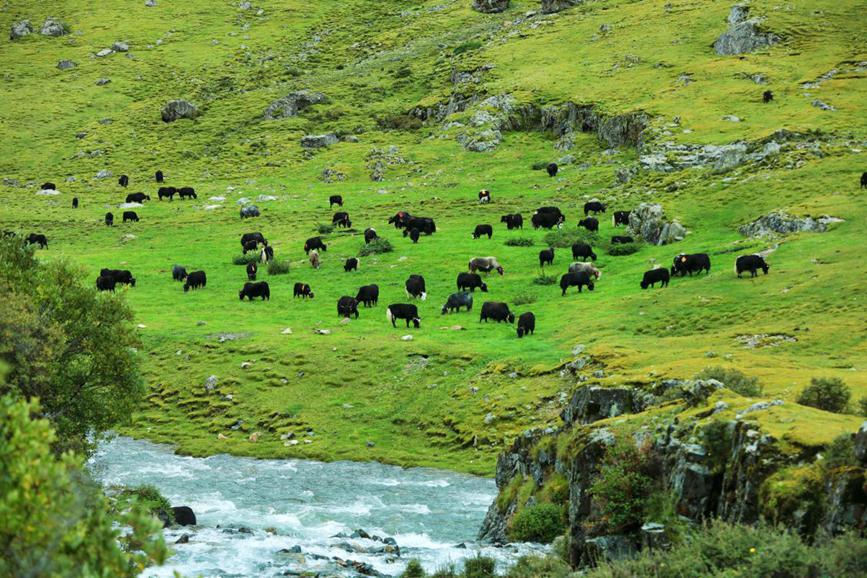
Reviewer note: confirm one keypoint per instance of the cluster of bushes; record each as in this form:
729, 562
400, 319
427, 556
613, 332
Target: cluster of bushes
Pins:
829, 394
733, 379
277, 267
378, 245
565, 238
245, 259
519, 242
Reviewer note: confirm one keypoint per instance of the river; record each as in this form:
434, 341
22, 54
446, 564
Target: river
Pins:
250, 510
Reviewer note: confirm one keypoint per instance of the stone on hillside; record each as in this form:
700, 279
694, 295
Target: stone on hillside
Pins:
245, 5
20, 29
822, 105
743, 34
177, 109
120, 47
552, 6
103, 174
782, 223
66, 65
490, 6
150, 3
648, 222
293, 103
315, 141
211, 382
103, 81
330, 175
104, 52
861, 444
54, 27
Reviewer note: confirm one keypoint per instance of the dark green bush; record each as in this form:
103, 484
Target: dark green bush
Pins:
540, 567
840, 453
619, 250
244, 259
401, 122
467, 47
862, 406
545, 280
146, 496
519, 242
523, 299
563, 238
622, 487
376, 246
276, 267
538, 523
413, 570
829, 394
324, 229
733, 379
479, 567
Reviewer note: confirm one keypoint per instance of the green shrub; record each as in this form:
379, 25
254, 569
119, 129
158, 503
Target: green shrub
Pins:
619, 249
545, 280
378, 245
277, 267
622, 487
447, 572
324, 229
829, 394
733, 379
538, 523
862, 406
413, 570
541, 165
716, 437
147, 496
563, 238
540, 567
479, 567
840, 453
467, 47
245, 259
523, 299
519, 242
400, 122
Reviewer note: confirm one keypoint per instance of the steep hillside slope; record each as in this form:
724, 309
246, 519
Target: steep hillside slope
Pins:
629, 97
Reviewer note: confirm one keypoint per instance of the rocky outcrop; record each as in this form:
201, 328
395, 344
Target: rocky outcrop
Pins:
20, 29
293, 103
781, 223
552, 6
490, 6
316, 141
54, 27
648, 222
178, 109
66, 65
590, 404
743, 35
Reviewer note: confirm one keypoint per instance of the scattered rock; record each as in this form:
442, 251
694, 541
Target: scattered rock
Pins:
760, 406
66, 65
553, 6
293, 103
743, 34
731, 118
150, 3
490, 418
54, 27
287, 331
104, 174
20, 29
48, 192
490, 6
246, 364
184, 516
407, 338
648, 222
178, 109
782, 223
765, 340
104, 52
822, 105
330, 175
120, 47
103, 81
315, 141
184, 539
211, 383
254, 437
322, 331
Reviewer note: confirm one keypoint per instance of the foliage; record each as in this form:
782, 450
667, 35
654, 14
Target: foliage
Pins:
378, 245
620, 249
545, 280
540, 567
413, 570
467, 47
278, 267
862, 406
519, 242
56, 522
246, 259
537, 523
523, 299
840, 453
565, 238
622, 487
733, 379
829, 394
324, 228
479, 567
401, 122
147, 497
716, 437
68, 346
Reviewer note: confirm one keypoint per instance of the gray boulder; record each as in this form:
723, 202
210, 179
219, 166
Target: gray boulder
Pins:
781, 223
120, 47
104, 52
315, 141
178, 109
20, 29
743, 34
150, 3
490, 6
293, 103
552, 6
66, 64
103, 174
103, 81
54, 27
648, 222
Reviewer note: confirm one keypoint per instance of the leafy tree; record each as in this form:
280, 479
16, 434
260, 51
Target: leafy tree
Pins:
67, 345
830, 394
55, 520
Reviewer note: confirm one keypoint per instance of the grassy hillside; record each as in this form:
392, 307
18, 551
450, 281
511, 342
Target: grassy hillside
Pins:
449, 398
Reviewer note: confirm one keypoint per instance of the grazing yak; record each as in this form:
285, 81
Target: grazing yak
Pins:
341, 219
368, 295
314, 243
513, 221
583, 251
400, 219
484, 196
481, 230
166, 192
195, 280
496, 311
137, 198
302, 290
351, 264
347, 307
179, 272
105, 283
313, 256
458, 300
159, 176
250, 246
864, 180
404, 311
121, 276
552, 169
654, 276
249, 212
767, 96
335, 200
415, 287
252, 269
185, 192
130, 216
526, 324
578, 279
37, 239
48, 187
621, 240
546, 257
587, 268
123, 181
620, 218
485, 264
414, 234
109, 219
751, 263
696, 263
257, 289
471, 281
423, 224
74, 202
370, 235
593, 207
590, 223
548, 220
267, 254
256, 237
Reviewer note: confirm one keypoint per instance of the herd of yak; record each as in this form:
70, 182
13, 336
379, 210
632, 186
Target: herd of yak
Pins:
581, 273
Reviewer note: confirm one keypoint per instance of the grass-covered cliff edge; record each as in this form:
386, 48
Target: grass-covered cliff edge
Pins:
432, 101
